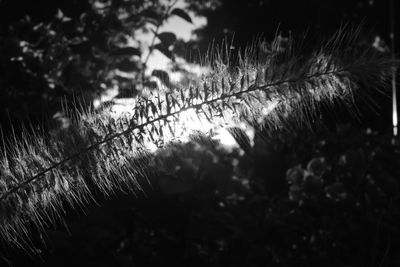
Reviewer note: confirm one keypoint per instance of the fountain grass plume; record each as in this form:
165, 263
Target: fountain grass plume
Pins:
263, 85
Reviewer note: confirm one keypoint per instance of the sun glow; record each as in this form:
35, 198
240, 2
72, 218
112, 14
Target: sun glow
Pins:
192, 122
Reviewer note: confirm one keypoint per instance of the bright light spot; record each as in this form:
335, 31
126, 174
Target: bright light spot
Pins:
226, 139
251, 133
107, 95
271, 105
190, 123
380, 44
123, 106
151, 147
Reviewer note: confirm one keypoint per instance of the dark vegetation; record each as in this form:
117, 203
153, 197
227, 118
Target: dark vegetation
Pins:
299, 199
325, 196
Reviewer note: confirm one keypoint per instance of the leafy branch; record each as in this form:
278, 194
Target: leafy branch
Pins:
156, 34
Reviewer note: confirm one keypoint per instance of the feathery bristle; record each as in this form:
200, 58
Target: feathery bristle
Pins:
40, 175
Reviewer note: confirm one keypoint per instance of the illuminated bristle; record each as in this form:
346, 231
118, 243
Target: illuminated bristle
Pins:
101, 151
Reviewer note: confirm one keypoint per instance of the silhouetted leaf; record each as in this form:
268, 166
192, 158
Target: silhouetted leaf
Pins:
151, 20
162, 75
150, 13
128, 66
163, 49
167, 38
150, 84
182, 14
126, 51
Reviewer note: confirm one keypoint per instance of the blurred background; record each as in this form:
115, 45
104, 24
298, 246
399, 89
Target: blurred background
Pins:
327, 196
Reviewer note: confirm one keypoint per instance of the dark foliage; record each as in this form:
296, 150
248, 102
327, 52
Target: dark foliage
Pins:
338, 206
60, 51
246, 19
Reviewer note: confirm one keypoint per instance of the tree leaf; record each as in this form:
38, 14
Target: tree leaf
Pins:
162, 75
126, 51
167, 38
182, 14
150, 13
151, 21
127, 66
164, 49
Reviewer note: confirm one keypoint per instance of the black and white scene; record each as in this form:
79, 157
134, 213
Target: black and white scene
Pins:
199, 133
